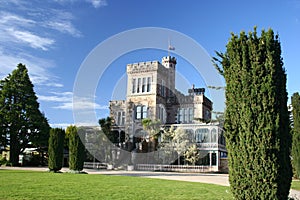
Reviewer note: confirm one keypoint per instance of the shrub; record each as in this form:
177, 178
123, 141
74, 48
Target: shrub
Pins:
56, 148
76, 149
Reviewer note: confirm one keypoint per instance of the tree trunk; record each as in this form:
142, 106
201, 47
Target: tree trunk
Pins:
14, 150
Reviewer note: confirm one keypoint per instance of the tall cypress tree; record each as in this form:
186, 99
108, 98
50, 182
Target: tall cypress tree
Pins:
3, 140
21, 118
256, 118
296, 134
56, 149
76, 149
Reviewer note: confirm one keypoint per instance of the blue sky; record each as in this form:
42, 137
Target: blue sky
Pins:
54, 37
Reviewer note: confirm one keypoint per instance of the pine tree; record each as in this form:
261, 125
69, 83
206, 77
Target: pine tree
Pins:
256, 118
21, 119
76, 149
296, 134
56, 149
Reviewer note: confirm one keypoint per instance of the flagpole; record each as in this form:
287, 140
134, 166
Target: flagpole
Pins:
169, 47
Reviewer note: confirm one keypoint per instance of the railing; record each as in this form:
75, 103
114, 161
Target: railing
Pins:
176, 168
94, 165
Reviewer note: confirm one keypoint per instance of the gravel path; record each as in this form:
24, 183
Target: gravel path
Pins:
219, 179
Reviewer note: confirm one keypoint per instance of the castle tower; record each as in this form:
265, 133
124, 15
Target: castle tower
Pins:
169, 62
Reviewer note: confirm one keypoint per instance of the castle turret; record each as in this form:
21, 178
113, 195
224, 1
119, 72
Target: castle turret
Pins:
169, 62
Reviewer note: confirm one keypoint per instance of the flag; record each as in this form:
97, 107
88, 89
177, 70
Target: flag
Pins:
171, 48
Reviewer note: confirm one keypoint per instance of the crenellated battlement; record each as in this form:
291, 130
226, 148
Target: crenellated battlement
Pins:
169, 59
169, 62
142, 67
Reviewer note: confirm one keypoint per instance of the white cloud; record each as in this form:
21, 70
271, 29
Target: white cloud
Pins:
33, 40
37, 67
16, 29
33, 24
58, 85
82, 105
57, 97
64, 27
12, 19
65, 102
97, 3
62, 21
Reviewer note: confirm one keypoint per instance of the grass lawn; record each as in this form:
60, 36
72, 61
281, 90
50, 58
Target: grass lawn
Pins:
16, 184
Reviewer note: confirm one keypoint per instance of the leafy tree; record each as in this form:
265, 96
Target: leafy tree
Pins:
181, 141
56, 149
152, 126
256, 118
296, 134
192, 154
153, 129
106, 125
76, 149
21, 120
178, 140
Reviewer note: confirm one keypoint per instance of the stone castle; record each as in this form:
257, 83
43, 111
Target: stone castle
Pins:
151, 93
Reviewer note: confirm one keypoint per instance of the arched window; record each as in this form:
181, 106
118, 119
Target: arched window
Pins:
213, 135
162, 115
202, 135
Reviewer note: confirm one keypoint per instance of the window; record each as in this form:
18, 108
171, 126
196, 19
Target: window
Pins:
141, 112
202, 135
138, 112
161, 115
144, 85
191, 115
144, 112
123, 118
180, 116
213, 159
186, 114
133, 85
213, 135
207, 114
120, 118
139, 85
148, 84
